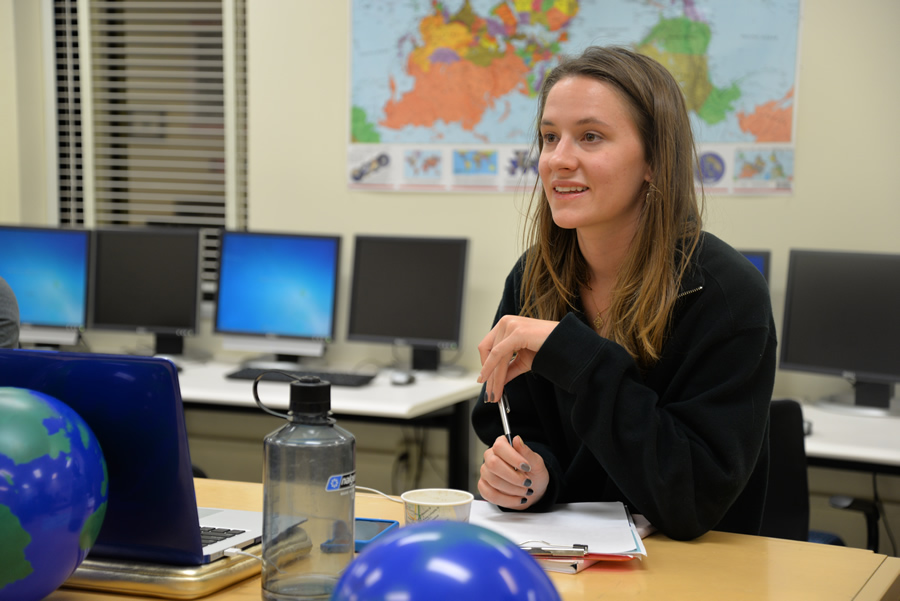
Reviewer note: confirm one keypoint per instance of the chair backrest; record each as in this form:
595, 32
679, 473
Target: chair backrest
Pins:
786, 513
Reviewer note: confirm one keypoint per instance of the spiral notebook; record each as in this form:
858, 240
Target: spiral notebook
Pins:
133, 406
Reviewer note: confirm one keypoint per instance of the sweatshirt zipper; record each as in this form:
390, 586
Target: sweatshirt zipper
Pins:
691, 291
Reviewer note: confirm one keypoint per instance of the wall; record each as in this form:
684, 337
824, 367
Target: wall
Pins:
847, 155
9, 131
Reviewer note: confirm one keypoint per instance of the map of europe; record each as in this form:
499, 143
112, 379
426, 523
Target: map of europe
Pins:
467, 72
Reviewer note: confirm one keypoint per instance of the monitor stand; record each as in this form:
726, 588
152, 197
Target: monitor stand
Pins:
169, 346
276, 354
426, 358
868, 399
48, 337
276, 361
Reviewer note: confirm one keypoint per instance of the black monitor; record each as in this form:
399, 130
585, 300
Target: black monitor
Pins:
408, 291
842, 317
147, 280
277, 293
760, 260
47, 269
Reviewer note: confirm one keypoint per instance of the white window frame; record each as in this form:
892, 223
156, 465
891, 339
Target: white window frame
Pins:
142, 206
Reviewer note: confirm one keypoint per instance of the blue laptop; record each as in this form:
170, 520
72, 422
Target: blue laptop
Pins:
133, 405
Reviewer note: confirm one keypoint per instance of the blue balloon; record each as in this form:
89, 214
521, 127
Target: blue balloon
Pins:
444, 560
53, 493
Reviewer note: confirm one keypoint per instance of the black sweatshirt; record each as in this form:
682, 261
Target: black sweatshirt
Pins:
684, 443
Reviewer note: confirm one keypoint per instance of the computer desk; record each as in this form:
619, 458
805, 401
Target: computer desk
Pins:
715, 566
852, 442
435, 399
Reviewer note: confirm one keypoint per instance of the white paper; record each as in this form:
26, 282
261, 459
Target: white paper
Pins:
603, 527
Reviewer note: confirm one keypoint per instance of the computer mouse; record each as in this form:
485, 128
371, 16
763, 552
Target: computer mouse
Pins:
402, 378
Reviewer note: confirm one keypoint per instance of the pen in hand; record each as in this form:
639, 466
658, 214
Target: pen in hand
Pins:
504, 409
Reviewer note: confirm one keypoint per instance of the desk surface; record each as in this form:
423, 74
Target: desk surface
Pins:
848, 437
715, 566
206, 383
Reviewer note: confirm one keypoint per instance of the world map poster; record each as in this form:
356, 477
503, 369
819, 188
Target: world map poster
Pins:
443, 93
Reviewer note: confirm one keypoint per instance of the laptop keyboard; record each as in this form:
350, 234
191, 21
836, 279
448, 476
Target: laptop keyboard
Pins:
335, 377
210, 535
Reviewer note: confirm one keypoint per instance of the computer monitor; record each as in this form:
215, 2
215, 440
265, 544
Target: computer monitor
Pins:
760, 259
47, 269
277, 293
147, 280
408, 291
841, 317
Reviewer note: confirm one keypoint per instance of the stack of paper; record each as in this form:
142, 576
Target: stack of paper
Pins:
569, 538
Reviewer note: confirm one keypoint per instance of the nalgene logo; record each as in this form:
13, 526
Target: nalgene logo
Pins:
341, 481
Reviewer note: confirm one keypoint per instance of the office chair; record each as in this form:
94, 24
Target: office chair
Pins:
786, 513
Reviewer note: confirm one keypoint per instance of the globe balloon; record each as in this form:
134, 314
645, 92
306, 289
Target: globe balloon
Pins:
444, 560
53, 493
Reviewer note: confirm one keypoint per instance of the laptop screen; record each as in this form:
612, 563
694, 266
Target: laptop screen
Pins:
133, 405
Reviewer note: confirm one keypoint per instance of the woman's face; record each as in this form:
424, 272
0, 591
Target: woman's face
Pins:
592, 162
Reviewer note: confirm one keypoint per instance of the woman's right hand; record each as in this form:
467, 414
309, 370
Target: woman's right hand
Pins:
514, 477
508, 351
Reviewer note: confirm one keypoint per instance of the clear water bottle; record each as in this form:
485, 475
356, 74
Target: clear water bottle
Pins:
309, 489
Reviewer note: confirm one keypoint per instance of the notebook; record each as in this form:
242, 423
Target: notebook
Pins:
133, 405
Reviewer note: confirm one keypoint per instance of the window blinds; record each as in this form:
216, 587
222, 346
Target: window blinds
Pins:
166, 144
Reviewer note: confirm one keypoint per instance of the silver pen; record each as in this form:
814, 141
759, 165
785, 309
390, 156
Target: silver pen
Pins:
504, 409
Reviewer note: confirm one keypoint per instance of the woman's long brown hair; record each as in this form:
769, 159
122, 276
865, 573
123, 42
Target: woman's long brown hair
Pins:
649, 279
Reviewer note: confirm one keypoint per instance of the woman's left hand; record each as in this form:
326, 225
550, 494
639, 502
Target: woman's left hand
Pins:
512, 476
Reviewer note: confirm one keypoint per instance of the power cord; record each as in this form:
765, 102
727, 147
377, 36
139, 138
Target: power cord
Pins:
426, 457
378, 492
883, 513
420, 436
401, 462
232, 551
235, 551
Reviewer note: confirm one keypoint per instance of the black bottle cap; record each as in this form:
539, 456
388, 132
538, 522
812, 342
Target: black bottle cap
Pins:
310, 395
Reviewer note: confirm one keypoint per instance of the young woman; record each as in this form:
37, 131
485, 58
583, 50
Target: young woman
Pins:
637, 352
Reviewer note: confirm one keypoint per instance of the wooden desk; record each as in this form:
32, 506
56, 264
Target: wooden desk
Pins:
434, 400
716, 566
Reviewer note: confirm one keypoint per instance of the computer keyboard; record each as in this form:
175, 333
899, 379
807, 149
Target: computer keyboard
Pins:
210, 535
336, 378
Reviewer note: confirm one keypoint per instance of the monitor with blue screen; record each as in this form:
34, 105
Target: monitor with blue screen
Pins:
277, 293
760, 259
47, 269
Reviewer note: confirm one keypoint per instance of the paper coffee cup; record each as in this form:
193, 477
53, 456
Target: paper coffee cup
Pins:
427, 504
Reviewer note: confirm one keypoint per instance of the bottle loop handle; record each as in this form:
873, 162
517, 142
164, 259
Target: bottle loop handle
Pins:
256, 394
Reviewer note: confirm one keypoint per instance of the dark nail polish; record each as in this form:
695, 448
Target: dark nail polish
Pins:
523, 501
525, 467
529, 493
527, 482
492, 397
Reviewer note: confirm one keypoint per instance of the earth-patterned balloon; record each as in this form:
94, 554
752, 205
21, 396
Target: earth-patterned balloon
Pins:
53, 493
